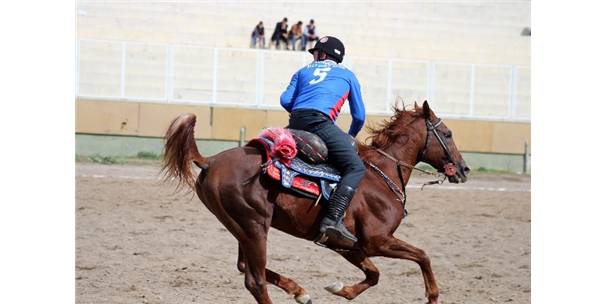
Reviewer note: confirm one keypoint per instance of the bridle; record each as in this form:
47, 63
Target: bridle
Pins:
401, 193
433, 129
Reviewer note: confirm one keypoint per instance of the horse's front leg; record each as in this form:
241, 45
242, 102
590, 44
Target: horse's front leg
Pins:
396, 248
360, 260
241, 261
288, 285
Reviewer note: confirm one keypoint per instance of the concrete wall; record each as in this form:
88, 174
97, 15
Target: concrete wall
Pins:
135, 118
113, 145
221, 123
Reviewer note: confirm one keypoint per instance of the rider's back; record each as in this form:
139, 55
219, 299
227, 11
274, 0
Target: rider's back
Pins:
325, 86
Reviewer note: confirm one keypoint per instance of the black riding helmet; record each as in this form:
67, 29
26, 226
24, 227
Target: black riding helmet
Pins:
331, 46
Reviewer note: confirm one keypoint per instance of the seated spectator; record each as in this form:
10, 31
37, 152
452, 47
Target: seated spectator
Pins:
310, 34
295, 34
280, 34
258, 36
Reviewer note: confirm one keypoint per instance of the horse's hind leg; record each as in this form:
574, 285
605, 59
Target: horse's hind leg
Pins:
254, 249
360, 260
396, 248
288, 285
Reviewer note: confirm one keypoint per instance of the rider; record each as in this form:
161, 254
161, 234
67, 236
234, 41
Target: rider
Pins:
314, 98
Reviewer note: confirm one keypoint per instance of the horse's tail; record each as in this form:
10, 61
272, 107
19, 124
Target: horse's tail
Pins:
180, 150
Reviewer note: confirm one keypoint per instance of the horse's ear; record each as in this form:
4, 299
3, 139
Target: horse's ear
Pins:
416, 105
397, 104
426, 109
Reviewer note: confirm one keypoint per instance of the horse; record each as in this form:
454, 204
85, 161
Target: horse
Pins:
248, 204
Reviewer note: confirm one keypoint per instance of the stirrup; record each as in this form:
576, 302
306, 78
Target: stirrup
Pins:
335, 230
321, 239
340, 234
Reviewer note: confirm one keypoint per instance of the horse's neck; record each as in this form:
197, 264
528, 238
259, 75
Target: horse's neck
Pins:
406, 153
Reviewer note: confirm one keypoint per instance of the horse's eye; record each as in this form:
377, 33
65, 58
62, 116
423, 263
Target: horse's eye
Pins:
449, 134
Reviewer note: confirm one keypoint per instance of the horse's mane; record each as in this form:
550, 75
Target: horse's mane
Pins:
387, 131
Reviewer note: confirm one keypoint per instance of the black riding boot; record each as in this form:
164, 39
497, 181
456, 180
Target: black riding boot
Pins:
332, 224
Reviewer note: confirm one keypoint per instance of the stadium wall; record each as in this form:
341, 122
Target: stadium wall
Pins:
140, 64
127, 128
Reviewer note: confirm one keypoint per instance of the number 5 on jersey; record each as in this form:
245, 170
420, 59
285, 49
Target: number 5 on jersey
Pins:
321, 73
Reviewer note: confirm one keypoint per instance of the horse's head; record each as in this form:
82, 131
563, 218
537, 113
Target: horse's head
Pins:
440, 150
419, 135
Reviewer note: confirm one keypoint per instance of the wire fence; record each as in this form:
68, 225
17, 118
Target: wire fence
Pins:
255, 78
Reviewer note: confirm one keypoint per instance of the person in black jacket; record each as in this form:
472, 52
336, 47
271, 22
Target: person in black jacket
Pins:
280, 33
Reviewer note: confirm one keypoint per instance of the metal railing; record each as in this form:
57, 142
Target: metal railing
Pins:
133, 71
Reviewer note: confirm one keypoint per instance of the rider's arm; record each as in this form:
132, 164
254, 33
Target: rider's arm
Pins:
288, 97
356, 107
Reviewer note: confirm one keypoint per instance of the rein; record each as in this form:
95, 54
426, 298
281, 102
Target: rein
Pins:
393, 187
440, 178
401, 163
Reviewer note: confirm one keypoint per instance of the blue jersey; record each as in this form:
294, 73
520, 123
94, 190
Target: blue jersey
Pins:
324, 86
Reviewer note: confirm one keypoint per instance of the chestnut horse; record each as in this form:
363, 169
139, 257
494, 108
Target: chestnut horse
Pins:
248, 203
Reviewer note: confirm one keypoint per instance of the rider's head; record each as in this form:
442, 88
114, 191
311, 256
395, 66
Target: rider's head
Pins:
328, 47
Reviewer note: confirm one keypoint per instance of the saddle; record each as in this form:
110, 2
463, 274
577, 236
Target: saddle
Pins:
297, 159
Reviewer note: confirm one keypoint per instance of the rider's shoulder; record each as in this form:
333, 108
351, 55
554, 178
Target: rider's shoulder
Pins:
346, 71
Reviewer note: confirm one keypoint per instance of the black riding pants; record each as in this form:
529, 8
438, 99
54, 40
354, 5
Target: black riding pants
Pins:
341, 153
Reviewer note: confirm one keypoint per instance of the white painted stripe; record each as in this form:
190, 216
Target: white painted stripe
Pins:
119, 177
466, 188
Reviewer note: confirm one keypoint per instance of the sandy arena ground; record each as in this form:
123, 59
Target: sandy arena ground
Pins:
139, 242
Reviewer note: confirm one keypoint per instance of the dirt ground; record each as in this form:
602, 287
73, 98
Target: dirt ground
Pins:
139, 242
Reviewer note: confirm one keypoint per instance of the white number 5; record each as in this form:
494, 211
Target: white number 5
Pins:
321, 73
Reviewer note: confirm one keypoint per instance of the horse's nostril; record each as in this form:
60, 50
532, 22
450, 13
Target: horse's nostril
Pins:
466, 170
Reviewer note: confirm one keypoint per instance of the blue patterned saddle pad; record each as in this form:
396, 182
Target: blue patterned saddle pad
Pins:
328, 176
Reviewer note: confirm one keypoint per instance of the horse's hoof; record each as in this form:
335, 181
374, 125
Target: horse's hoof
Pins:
334, 287
303, 299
